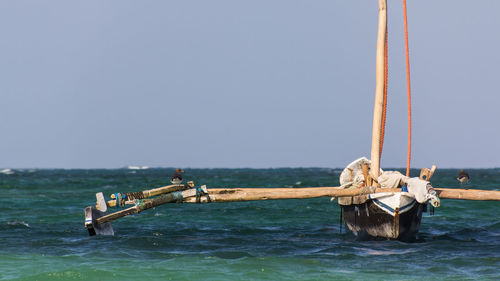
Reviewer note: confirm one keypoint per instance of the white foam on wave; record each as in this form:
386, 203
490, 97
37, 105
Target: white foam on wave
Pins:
137, 167
18, 223
6, 171
385, 252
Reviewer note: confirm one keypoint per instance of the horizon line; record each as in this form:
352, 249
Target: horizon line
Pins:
145, 167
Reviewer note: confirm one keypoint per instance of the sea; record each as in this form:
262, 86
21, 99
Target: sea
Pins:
42, 234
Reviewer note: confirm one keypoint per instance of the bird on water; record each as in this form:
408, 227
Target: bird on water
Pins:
177, 177
463, 177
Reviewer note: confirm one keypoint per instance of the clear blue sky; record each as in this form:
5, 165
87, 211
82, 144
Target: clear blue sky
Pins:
105, 84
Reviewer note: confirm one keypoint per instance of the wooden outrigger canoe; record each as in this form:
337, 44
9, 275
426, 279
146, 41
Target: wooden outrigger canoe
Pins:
373, 216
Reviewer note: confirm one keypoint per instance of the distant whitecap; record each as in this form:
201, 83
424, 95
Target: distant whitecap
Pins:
18, 223
138, 167
6, 172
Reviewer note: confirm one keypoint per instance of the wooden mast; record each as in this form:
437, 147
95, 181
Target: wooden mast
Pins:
379, 90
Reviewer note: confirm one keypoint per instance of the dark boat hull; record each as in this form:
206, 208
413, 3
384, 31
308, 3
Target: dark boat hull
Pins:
368, 220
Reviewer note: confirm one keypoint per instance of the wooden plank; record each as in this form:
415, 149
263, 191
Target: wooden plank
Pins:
426, 174
167, 189
255, 194
153, 192
468, 194
101, 203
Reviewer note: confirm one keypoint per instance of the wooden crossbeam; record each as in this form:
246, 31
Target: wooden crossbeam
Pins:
468, 194
151, 192
254, 194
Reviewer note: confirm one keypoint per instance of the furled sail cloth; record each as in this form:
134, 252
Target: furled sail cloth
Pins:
352, 177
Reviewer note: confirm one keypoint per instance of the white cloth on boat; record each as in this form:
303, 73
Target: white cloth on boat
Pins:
423, 191
418, 188
392, 179
352, 175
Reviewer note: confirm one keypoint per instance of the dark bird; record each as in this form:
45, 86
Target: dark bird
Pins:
463, 177
177, 177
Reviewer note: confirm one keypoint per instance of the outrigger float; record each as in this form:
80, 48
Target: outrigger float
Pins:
374, 203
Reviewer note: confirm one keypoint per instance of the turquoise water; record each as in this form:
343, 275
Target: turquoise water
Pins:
42, 235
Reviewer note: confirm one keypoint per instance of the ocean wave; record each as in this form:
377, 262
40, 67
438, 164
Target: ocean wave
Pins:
462, 236
231, 254
386, 252
18, 223
137, 167
6, 171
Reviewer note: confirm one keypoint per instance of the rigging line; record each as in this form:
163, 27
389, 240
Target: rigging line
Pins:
408, 87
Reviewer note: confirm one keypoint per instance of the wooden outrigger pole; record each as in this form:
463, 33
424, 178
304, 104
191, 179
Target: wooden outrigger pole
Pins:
254, 194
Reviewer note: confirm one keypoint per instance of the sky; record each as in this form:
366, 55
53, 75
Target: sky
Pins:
234, 84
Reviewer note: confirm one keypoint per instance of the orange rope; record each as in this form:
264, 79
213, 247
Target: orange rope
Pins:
409, 91
384, 111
